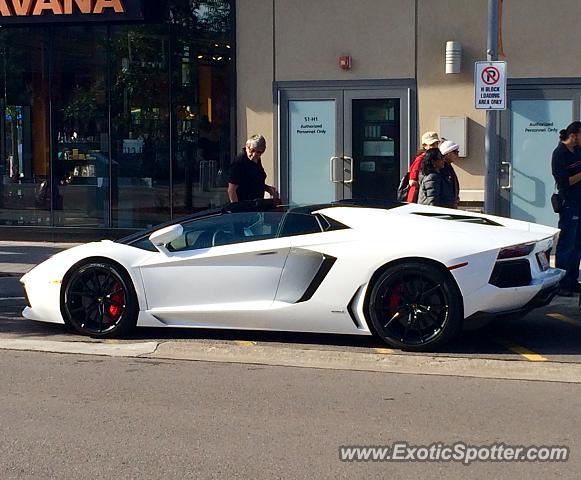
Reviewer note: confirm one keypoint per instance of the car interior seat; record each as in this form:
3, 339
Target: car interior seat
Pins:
204, 240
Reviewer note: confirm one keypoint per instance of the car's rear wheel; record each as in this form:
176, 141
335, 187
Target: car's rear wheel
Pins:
99, 300
415, 306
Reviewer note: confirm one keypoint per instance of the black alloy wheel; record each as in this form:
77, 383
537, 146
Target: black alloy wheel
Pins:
99, 300
415, 306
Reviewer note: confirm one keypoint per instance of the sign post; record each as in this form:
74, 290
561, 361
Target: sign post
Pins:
491, 147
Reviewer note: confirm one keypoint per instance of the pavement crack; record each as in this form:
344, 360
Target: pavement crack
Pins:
144, 355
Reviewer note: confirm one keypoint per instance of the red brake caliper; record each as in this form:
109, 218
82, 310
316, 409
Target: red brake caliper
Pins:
394, 299
115, 311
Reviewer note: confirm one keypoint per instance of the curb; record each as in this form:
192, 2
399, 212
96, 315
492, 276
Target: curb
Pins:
321, 359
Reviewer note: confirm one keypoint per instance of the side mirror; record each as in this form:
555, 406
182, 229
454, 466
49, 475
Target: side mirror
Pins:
162, 237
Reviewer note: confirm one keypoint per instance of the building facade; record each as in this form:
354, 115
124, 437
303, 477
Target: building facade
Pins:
116, 120
341, 132
113, 121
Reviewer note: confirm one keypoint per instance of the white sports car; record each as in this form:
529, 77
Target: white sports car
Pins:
409, 273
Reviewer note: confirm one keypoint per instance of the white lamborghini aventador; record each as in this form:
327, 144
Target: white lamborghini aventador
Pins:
411, 274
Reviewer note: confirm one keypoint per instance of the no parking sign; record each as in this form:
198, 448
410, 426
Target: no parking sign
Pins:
490, 85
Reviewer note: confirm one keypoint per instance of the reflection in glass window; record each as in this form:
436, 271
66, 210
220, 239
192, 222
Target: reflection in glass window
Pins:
140, 126
201, 104
25, 184
133, 126
80, 127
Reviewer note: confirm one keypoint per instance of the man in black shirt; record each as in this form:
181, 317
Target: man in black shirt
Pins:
566, 168
247, 177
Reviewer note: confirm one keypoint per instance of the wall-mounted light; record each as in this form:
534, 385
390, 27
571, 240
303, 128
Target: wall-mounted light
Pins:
453, 57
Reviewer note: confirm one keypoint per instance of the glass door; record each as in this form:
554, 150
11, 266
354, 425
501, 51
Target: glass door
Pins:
337, 144
533, 120
311, 136
373, 127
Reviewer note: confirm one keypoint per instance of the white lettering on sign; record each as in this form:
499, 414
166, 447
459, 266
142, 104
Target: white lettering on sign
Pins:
490, 85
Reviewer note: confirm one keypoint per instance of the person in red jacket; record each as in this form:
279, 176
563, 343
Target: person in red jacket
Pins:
429, 140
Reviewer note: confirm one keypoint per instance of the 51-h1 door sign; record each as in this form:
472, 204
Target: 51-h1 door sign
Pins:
490, 85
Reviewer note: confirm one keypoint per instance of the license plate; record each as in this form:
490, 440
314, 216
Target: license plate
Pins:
543, 260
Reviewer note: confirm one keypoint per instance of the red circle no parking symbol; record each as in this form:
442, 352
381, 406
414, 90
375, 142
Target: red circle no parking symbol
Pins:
490, 75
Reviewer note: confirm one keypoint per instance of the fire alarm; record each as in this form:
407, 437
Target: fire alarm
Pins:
345, 62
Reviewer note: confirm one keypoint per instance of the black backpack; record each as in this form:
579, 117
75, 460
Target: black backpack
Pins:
404, 186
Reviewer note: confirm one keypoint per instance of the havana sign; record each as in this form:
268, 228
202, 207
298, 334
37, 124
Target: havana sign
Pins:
45, 11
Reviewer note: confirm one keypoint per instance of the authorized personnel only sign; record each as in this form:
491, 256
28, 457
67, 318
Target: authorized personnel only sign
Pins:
490, 85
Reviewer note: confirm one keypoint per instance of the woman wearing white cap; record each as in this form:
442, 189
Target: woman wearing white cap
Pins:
429, 140
450, 151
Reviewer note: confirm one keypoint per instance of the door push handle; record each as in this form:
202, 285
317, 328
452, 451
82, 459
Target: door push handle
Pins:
333, 170
349, 169
508, 186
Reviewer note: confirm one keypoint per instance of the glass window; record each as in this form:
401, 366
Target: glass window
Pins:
312, 142
299, 224
228, 229
131, 128
140, 126
80, 126
202, 69
25, 193
376, 146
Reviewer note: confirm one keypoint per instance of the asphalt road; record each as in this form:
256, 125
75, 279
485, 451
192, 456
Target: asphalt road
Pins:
83, 417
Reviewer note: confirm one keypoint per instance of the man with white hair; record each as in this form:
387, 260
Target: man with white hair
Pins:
450, 151
247, 177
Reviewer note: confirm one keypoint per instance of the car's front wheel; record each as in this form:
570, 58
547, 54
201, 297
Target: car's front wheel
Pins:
99, 300
415, 306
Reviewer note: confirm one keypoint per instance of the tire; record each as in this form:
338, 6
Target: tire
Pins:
99, 300
415, 306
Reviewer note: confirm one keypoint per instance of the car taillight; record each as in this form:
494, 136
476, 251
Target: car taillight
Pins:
514, 251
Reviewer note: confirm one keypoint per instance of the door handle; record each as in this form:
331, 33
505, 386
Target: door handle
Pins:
266, 253
350, 170
508, 186
333, 170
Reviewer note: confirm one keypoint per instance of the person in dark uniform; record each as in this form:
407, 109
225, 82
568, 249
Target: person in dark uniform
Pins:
566, 168
247, 176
